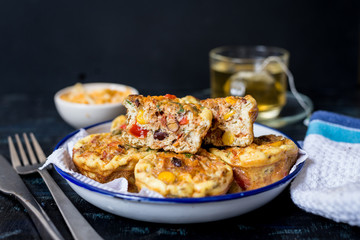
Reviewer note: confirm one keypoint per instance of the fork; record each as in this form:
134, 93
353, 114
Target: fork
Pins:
79, 227
12, 184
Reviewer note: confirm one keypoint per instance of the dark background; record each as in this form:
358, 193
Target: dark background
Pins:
162, 46
157, 47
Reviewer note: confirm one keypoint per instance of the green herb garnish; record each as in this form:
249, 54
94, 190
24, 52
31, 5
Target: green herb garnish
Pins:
181, 110
188, 155
129, 102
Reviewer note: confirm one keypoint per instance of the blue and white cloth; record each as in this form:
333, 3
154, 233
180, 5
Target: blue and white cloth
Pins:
329, 184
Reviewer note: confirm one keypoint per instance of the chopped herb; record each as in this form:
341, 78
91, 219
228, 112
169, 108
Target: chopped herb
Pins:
188, 155
196, 109
158, 107
129, 102
181, 110
116, 132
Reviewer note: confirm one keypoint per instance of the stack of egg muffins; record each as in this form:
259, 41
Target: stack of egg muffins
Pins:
186, 147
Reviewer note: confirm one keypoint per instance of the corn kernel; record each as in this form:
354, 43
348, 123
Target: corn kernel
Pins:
277, 144
206, 114
230, 100
140, 118
167, 177
229, 114
228, 138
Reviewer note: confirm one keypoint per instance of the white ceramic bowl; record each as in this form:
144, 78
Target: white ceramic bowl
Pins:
82, 115
176, 210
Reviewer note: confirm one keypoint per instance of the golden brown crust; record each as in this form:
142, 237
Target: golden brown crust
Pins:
233, 119
103, 157
183, 175
268, 159
165, 122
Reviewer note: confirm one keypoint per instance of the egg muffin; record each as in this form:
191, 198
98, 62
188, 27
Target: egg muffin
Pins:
267, 160
165, 122
233, 119
183, 174
103, 157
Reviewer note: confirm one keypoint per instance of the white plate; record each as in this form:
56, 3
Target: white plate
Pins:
177, 210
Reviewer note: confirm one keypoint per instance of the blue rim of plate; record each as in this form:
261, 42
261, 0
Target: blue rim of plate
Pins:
218, 198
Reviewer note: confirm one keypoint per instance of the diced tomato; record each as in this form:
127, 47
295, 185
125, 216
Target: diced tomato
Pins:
138, 131
184, 121
170, 96
113, 144
123, 126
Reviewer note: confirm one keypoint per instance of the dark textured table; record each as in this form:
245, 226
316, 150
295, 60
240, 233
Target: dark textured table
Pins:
279, 219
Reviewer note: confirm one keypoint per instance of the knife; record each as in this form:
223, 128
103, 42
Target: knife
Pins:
12, 184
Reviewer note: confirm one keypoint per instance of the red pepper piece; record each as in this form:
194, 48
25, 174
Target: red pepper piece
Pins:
138, 131
170, 96
184, 121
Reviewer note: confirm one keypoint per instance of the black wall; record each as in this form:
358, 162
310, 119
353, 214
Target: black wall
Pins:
154, 45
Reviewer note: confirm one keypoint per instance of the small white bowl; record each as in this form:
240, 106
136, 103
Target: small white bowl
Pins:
81, 115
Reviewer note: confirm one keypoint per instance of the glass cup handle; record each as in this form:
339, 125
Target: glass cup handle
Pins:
293, 90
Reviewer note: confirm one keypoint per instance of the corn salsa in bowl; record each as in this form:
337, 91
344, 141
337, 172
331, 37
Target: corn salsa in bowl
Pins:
82, 105
78, 94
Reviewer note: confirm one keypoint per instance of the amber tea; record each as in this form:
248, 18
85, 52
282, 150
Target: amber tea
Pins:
267, 86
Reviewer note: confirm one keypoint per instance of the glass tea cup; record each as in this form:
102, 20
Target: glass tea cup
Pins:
243, 70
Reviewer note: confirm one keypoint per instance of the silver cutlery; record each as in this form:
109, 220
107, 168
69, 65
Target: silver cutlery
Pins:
79, 227
11, 183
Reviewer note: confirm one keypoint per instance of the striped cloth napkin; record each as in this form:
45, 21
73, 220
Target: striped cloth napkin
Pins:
329, 184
